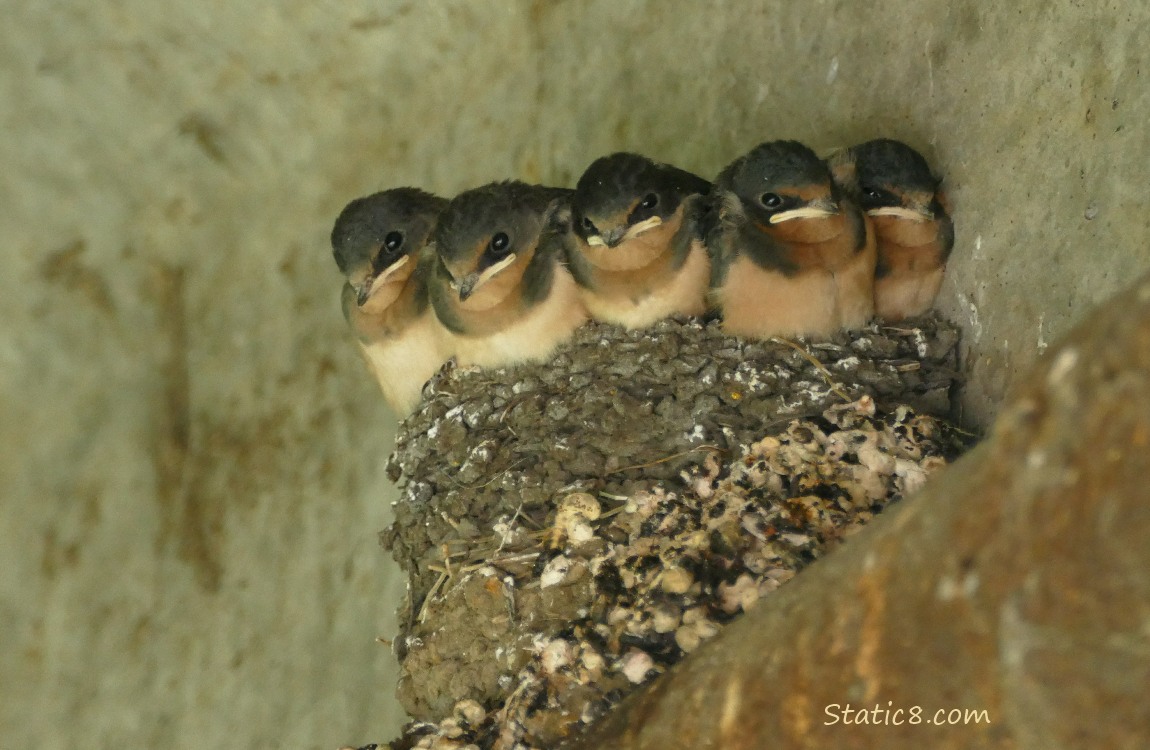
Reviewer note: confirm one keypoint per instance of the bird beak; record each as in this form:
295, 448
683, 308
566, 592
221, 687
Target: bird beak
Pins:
901, 212
472, 281
612, 237
370, 284
816, 210
467, 286
362, 292
619, 235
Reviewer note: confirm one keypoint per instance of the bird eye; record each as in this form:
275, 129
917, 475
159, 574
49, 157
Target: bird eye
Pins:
393, 241
500, 244
650, 201
871, 192
588, 225
770, 200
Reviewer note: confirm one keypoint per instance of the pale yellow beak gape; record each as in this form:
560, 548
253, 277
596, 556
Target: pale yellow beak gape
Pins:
597, 240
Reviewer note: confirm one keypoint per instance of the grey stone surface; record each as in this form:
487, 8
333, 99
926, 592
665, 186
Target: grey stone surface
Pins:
191, 471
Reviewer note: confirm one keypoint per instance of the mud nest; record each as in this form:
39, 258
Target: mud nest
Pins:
572, 529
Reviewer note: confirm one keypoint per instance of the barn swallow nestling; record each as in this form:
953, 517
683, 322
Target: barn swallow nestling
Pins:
499, 282
635, 248
913, 230
378, 243
791, 254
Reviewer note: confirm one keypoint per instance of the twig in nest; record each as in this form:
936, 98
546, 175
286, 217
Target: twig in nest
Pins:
960, 431
665, 459
613, 512
472, 488
514, 558
511, 523
511, 404
427, 599
527, 520
446, 559
475, 563
482, 557
835, 388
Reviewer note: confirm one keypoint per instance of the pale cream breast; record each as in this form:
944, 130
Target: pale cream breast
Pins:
904, 296
757, 303
906, 259
913, 273
404, 362
534, 335
684, 292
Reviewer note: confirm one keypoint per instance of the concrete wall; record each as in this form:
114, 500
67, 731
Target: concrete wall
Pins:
191, 473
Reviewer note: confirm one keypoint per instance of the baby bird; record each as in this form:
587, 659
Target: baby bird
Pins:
635, 248
913, 230
790, 254
378, 243
499, 283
